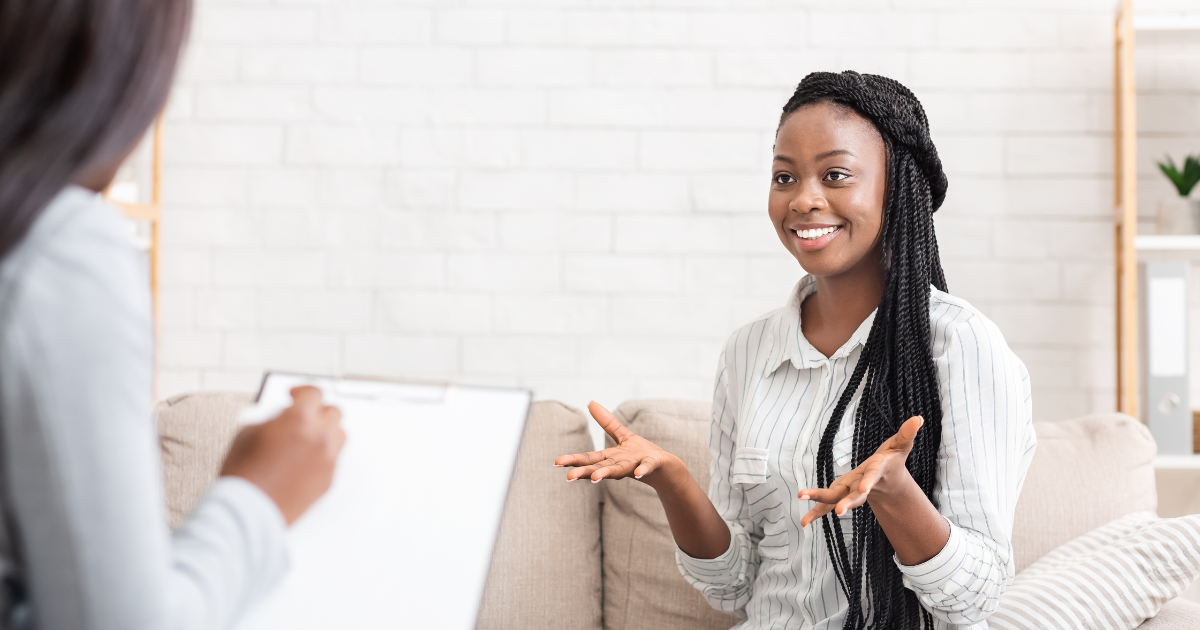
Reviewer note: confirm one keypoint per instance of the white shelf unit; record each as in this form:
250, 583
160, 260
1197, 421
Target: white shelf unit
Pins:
1128, 245
1188, 462
1166, 22
1167, 243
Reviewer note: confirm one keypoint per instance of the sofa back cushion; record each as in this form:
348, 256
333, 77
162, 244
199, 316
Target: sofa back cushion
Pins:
642, 585
1086, 472
546, 564
194, 432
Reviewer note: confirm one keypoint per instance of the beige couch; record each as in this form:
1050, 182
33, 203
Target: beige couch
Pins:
585, 556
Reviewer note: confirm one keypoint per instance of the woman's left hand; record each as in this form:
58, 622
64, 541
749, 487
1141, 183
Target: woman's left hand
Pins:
879, 470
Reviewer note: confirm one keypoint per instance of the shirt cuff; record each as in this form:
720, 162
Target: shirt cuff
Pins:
931, 574
726, 568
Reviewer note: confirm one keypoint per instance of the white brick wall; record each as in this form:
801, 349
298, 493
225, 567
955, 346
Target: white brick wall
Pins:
570, 195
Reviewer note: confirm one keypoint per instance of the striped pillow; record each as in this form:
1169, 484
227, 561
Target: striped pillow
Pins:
1114, 577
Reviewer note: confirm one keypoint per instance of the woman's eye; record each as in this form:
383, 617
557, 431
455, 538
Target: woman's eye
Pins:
836, 176
784, 178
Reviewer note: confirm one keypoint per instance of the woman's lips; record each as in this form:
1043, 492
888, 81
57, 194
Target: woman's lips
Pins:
809, 244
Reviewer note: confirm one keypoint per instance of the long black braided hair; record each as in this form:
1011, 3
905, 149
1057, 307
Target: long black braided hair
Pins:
896, 368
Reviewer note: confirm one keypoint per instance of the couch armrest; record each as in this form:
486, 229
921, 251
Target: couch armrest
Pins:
1177, 614
194, 431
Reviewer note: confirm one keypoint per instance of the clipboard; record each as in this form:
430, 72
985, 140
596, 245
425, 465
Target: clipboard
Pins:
404, 537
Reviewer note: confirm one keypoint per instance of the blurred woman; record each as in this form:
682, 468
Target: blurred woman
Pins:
84, 542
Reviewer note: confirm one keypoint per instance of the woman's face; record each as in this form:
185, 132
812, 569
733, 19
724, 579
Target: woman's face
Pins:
828, 185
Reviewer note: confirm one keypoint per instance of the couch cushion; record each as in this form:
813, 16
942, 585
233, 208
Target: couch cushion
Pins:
545, 569
1111, 578
194, 432
1086, 472
642, 585
1177, 614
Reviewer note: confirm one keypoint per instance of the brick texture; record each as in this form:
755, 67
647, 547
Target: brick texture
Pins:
571, 197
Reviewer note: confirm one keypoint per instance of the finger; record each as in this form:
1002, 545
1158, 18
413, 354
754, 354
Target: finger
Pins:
331, 415
337, 439
615, 470
586, 471
829, 495
908, 431
306, 397
871, 475
849, 502
580, 459
609, 423
814, 514
645, 467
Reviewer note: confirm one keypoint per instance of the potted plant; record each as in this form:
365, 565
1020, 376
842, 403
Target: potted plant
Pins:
1180, 215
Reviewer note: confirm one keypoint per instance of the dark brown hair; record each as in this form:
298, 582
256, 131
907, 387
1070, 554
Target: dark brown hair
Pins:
80, 81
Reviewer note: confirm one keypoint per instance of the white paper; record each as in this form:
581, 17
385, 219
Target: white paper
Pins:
404, 537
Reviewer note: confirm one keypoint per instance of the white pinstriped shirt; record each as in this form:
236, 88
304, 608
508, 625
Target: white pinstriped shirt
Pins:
774, 395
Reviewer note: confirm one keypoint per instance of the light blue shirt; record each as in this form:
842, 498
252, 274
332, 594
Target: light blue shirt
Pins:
81, 495
774, 395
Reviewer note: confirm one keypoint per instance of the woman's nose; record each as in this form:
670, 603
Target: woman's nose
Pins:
808, 199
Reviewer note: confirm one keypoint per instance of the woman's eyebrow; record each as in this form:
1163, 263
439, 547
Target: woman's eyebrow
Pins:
829, 154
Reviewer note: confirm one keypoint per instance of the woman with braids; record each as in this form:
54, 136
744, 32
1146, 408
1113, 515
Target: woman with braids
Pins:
84, 542
873, 404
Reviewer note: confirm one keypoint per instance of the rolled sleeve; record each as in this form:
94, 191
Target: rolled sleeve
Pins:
963, 583
930, 576
725, 570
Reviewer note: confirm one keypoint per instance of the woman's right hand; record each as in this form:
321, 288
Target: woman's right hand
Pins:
291, 457
633, 456
697, 527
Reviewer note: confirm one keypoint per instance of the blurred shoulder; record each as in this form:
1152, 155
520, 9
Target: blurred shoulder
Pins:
77, 259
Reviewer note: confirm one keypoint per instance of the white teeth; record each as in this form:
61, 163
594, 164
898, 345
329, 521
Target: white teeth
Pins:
815, 233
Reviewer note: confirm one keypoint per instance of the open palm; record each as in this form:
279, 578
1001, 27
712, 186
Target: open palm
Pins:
851, 489
632, 456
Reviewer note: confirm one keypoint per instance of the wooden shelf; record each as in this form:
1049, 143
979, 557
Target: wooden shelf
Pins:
1125, 198
1167, 242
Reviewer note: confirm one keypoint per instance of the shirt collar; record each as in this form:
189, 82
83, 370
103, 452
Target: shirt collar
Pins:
788, 342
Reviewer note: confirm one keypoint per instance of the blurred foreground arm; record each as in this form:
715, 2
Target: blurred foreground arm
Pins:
82, 488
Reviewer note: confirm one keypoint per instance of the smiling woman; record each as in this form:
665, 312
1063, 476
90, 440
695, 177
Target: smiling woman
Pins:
873, 400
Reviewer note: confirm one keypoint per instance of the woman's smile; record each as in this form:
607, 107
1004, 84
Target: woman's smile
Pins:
812, 237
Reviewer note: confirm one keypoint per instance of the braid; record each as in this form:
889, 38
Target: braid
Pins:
895, 370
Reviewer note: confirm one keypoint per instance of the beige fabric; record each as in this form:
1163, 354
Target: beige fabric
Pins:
194, 432
1112, 578
1177, 614
546, 565
1178, 491
1086, 472
642, 586
537, 578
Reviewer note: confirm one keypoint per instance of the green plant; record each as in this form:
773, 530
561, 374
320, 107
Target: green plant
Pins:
1186, 180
